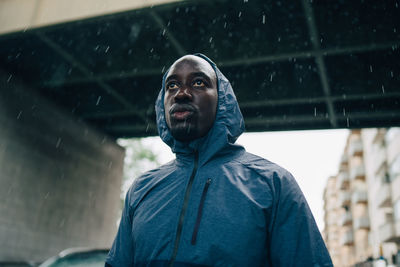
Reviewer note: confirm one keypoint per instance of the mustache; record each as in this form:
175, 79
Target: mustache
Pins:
181, 107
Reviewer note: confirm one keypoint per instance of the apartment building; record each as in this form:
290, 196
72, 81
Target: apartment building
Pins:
382, 157
362, 202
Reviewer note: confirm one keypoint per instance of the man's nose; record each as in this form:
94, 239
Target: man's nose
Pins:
183, 94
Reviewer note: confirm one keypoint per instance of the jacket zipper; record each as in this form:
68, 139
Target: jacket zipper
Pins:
200, 211
183, 210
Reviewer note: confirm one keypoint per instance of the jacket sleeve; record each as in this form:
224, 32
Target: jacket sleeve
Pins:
294, 238
121, 252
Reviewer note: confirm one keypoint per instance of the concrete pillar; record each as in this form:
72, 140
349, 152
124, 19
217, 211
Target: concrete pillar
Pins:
59, 178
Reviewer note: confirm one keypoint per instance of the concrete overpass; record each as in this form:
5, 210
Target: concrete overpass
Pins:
293, 64
75, 76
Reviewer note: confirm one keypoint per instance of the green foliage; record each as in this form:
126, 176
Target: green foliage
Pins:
139, 158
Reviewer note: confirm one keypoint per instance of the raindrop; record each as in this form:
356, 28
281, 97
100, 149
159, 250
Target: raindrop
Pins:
279, 39
344, 112
163, 32
383, 88
348, 122
147, 127
300, 80
271, 76
110, 164
98, 100
19, 114
9, 78
58, 142
225, 24
370, 68
129, 51
245, 1
263, 19
315, 111
163, 68
97, 47
108, 47
240, 14
210, 40
47, 195
391, 74
17, 56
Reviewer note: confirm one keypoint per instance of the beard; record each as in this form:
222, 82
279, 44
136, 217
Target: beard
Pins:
184, 131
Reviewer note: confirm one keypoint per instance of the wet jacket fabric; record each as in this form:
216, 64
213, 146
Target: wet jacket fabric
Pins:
216, 204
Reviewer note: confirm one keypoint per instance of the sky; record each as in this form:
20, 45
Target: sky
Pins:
311, 156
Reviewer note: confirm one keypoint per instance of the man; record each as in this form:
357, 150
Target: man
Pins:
215, 204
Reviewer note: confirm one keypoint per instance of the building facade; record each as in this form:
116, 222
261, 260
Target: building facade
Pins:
362, 202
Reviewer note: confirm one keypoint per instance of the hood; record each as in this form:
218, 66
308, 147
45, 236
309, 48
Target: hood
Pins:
227, 127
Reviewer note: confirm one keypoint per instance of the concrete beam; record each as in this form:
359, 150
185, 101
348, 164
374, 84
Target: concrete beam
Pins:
175, 43
64, 54
314, 37
38, 13
238, 62
261, 103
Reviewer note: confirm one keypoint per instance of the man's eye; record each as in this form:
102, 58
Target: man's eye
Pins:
199, 83
172, 86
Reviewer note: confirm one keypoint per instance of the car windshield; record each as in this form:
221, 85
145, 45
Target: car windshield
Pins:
90, 259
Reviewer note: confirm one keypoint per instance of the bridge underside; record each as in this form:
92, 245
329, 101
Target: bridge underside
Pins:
293, 64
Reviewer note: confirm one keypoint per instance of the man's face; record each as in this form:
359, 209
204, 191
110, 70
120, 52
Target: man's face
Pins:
191, 98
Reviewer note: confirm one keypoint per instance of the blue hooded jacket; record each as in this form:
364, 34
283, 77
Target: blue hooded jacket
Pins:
216, 204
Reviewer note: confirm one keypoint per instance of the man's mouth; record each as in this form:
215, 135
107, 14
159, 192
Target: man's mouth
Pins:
181, 112
182, 115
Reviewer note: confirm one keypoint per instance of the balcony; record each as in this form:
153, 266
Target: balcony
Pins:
344, 198
357, 172
383, 197
346, 219
379, 160
361, 223
347, 238
355, 148
343, 180
387, 232
343, 161
359, 196
396, 187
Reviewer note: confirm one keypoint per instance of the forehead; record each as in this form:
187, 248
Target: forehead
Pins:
191, 64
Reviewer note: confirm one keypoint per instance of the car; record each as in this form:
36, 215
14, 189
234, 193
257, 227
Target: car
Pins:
78, 257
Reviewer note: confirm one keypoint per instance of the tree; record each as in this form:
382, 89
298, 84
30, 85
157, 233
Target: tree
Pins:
139, 158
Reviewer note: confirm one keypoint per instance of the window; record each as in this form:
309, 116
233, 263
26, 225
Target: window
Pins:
396, 210
391, 134
395, 167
